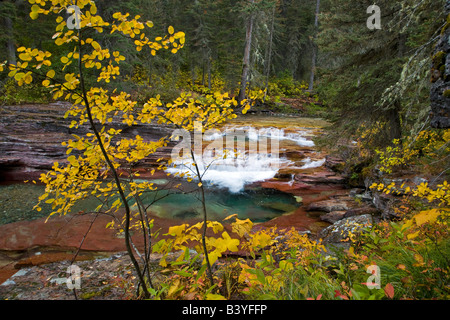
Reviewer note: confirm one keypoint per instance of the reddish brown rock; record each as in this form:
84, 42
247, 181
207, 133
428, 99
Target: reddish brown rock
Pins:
361, 211
31, 136
328, 206
325, 177
63, 232
333, 216
285, 186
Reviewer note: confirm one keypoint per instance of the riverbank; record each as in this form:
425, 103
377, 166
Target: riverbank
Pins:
323, 196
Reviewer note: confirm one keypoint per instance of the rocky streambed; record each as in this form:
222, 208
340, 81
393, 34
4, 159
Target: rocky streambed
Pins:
30, 141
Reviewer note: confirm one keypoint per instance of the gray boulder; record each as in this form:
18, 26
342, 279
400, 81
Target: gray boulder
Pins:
342, 228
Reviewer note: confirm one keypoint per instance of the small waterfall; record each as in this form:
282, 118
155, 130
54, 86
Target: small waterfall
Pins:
250, 155
312, 164
291, 182
232, 172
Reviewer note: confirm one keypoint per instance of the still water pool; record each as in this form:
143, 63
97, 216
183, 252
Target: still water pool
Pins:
17, 202
258, 205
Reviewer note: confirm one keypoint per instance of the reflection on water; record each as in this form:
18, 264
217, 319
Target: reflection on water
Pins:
17, 202
257, 205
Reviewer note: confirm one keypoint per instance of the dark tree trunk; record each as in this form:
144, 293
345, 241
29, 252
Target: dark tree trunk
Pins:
440, 80
246, 60
394, 121
314, 53
269, 53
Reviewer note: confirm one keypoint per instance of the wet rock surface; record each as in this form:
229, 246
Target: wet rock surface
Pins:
31, 136
107, 278
342, 229
440, 78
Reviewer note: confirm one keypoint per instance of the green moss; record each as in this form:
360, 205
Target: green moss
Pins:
447, 93
447, 24
439, 59
90, 295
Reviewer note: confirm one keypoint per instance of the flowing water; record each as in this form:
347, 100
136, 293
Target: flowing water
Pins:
240, 154
230, 182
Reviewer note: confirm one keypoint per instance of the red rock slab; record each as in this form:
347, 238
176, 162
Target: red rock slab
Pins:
63, 232
299, 219
69, 232
49, 257
285, 186
7, 272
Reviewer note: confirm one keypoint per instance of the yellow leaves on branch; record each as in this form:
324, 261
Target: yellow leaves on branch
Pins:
132, 28
296, 249
210, 110
426, 216
439, 195
85, 172
415, 227
395, 156
427, 143
33, 58
184, 236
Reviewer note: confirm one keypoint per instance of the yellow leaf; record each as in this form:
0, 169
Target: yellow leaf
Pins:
413, 235
177, 230
34, 15
28, 78
419, 260
426, 216
212, 296
217, 227
212, 257
200, 184
93, 9
241, 227
51, 74
232, 244
174, 288
25, 56
230, 216
18, 76
286, 266
72, 159
401, 267
171, 30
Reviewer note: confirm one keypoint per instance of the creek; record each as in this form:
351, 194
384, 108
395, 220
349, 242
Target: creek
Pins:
233, 185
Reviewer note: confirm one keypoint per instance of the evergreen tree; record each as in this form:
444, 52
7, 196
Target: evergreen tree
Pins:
371, 75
